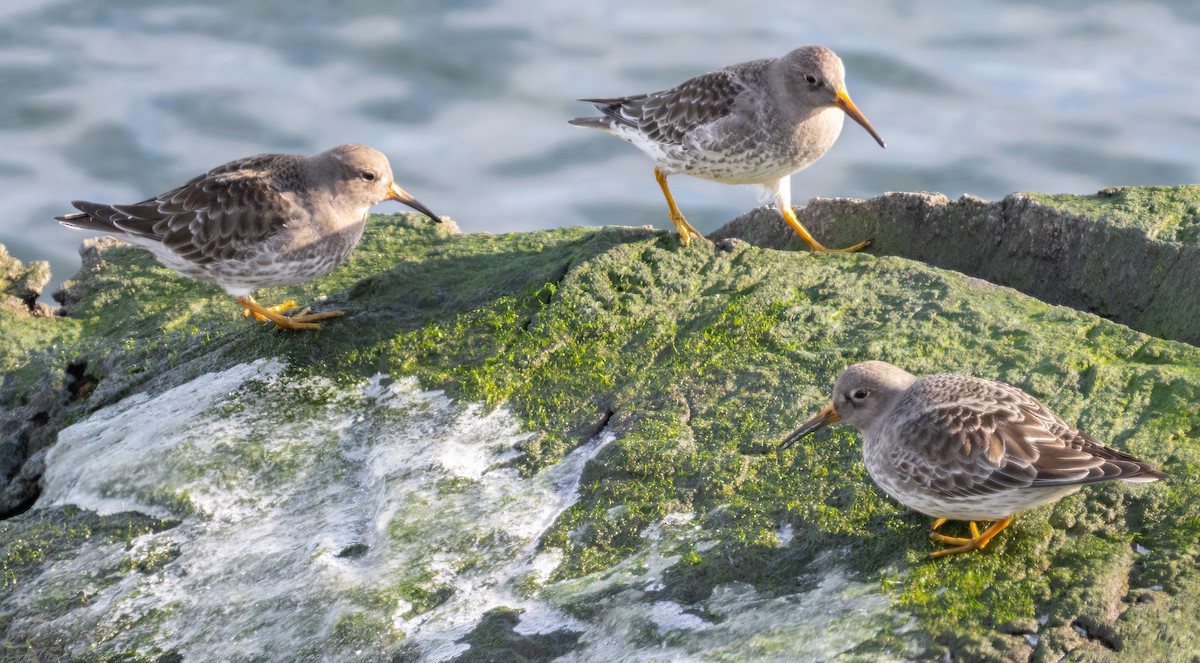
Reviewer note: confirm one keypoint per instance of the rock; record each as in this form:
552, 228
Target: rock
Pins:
28, 393
1129, 254
21, 285
91, 253
562, 443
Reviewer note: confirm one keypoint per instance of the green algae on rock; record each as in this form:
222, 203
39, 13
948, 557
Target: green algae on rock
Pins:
1129, 254
691, 363
34, 362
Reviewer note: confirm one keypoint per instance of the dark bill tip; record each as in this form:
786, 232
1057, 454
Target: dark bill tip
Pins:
401, 196
843, 102
826, 416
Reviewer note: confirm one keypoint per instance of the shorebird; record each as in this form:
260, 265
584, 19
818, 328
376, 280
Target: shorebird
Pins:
263, 221
751, 123
960, 448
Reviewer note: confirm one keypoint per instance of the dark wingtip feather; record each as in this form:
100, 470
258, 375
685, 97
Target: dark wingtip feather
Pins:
91, 216
1123, 467
600, 102
74, 216
590, 122
82, 221
1142, 472
1084, 460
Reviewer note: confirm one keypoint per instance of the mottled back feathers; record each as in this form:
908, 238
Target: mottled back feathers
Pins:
963, 448
988, 437
224, 214
667, 117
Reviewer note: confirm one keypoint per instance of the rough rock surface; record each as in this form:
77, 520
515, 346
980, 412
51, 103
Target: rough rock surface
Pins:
21, 285
23, 417
618, 399
1128, 254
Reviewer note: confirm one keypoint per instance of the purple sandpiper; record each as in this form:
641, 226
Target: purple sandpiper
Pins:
263, 221
961, 448
751, 123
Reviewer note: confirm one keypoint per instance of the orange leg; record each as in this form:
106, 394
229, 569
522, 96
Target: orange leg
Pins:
789, 215
278, 308
302, 320
685, 229
960, 545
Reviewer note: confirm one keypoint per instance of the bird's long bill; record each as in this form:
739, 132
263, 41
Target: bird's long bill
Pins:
827, 415
843, 102
401, 196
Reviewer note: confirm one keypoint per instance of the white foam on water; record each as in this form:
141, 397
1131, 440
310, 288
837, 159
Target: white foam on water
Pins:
670, 616
99, 463
735, 623
528, 514
284, 476
324, 518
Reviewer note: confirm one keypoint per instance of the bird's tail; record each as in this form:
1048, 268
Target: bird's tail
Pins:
617, 110
1144, 473
602, 123
89, 217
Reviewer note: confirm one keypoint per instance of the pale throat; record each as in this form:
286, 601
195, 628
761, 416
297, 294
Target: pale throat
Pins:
821, 129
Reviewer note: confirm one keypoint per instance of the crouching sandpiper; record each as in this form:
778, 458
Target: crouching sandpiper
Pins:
263, 221
961, 448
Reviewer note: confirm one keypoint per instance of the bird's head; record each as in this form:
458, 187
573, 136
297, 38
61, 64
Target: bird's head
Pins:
365, 175
861, 396
816, 75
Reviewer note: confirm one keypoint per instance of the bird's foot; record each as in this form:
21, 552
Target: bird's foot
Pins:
305, 316
960, 544
816, 247
281, 308
302, 320
686, 231
953, 540
813, 245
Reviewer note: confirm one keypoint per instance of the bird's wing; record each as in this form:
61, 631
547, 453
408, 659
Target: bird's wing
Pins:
226, 213
994, 438
668, 116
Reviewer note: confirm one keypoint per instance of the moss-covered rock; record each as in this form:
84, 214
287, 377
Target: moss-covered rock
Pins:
660, 379
32, 349
21, 285
1129, 254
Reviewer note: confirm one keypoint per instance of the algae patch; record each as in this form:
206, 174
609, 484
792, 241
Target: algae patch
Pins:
590, 386
1161, 213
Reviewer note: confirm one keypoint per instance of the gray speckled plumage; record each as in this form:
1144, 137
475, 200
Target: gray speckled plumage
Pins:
737, 125
756, 122
263, 221
962, 448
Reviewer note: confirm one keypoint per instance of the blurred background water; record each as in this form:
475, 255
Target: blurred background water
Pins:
118, 100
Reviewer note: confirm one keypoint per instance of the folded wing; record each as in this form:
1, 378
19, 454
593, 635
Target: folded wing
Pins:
216, 216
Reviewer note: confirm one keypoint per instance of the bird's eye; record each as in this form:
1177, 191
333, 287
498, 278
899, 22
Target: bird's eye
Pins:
810, 79
367, 176
860, 394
